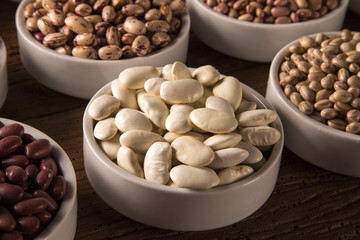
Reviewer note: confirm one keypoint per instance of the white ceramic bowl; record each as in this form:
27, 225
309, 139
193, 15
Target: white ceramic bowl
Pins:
3, 73
355, 6
63, 225
315, 142
174, 208
254, 41
82, 77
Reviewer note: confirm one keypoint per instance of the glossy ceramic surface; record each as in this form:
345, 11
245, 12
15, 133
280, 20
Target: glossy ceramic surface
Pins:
3, 73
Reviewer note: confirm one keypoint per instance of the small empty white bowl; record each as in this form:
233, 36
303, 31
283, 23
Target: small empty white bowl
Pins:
3, 73
315, 142
63, 224
83, 77
255, 41
178, 208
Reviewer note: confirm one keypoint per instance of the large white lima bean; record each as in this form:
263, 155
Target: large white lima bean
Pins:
182, 122
157, 162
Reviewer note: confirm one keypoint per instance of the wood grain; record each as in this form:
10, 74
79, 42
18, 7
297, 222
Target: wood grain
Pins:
307, 202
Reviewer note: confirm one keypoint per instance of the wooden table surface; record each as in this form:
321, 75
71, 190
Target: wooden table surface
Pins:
307, 202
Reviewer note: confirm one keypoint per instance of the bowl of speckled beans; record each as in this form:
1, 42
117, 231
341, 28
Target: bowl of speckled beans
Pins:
314, 84
257, 30
74, 47
166, 147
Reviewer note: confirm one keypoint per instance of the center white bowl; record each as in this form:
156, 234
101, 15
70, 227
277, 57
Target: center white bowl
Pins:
174, 208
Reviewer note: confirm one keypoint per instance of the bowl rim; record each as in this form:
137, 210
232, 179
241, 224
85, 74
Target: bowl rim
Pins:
3, 54
261, 26
70, 199
290, 107
273, 158
26, 35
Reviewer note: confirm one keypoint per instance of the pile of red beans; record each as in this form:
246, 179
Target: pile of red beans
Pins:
31, 187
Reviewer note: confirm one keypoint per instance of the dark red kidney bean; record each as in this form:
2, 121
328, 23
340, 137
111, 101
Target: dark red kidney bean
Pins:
37, 149
30, 206
18, 160
16, 174
13, 235
9, 144
32, 170
43, 216
28, 187
52, 204
49, 163
2, 177
27, 195
57, 188
13, 129
10, 193
43, 179
27, 138
7, 221
27, 224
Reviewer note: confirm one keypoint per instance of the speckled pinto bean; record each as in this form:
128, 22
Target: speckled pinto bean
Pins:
54, 40
110, 52
78, 24
31, 188
329, 81
141, 45
171, 113
115, 22
84, 52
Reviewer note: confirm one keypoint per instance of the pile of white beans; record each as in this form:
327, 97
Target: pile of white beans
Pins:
181, 128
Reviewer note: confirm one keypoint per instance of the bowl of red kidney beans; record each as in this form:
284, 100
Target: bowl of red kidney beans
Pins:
37, 185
